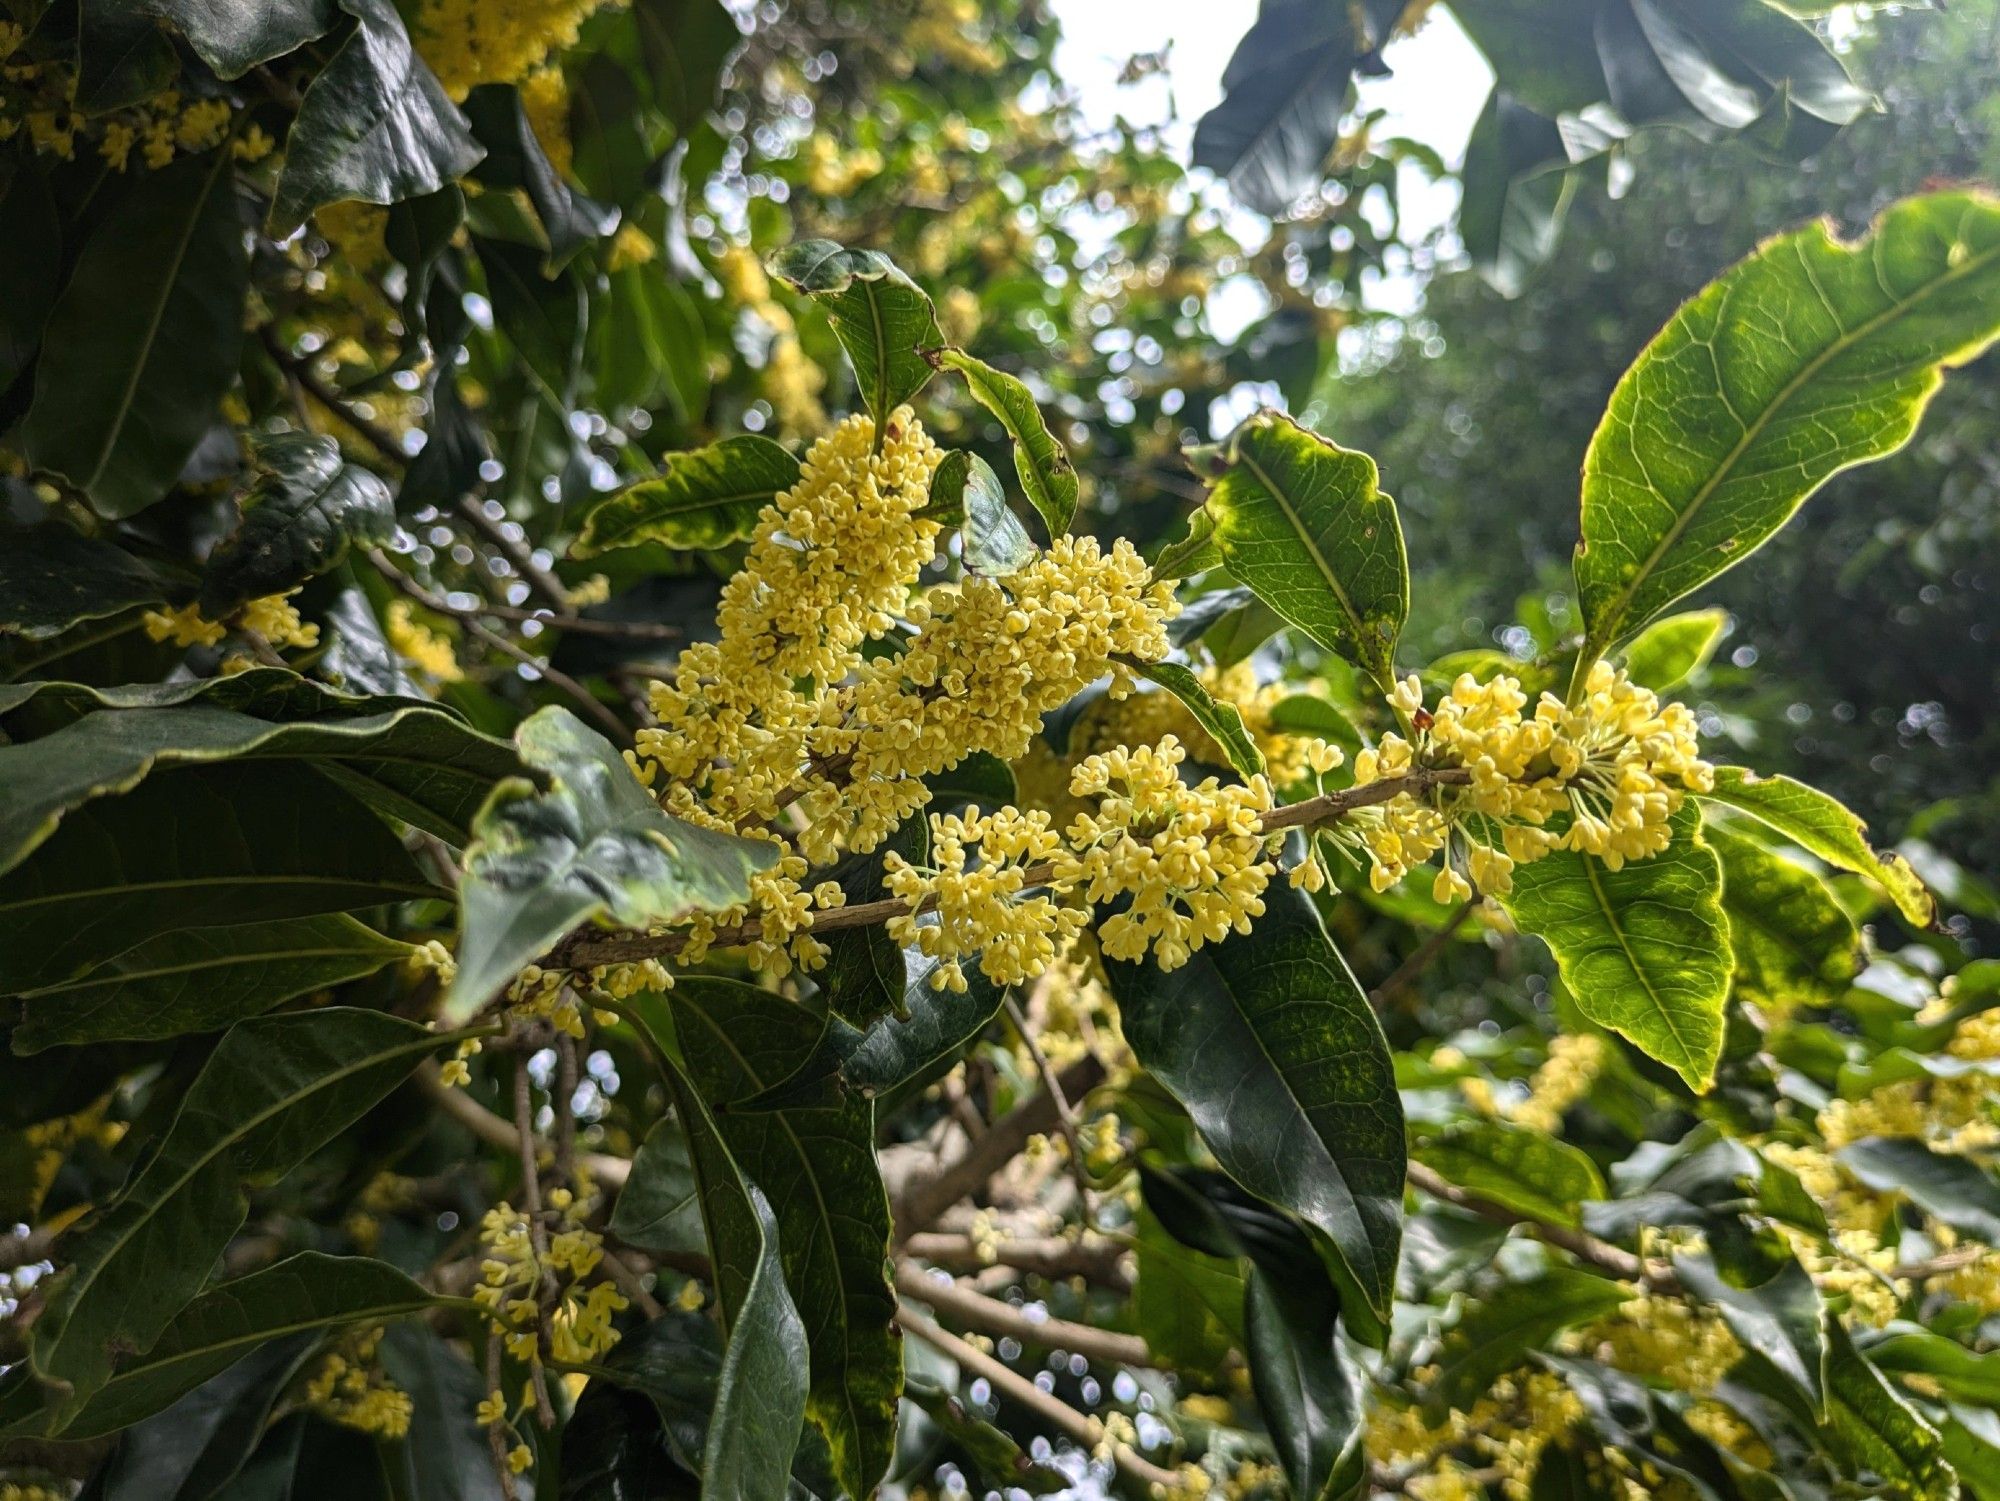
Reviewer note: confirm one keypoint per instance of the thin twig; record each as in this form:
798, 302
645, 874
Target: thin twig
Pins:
538, 1233
1057, 1257
1585, 1247
991, 1316
575, 625
495, 1132
496, 1431
1424, 955
1080, 1427
1065, 1114
630, 1284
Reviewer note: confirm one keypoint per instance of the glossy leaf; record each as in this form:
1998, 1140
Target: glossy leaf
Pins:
190, 849
966, 490
818, 1169
1300, 520
1877, 1429
410, 759
1910, 1349
120, 402
881, 317
1223, 721
1272, 1047
1309, 1389
1720, 431
308, 506
233, 36
1495, 1332
1644, 949
544, 316
1822, 826
1781, 1319
658, 1209
701, 498
594, 846
1954, 1190
202, 980
375, 124
274, 1090
1669, 651
685, 44
1517, 192
1284, 93
1529, 1171
306, 1292
1791, 938
444, 1456
1048, 478
31, 264
762, 1390
51, 578
515, 160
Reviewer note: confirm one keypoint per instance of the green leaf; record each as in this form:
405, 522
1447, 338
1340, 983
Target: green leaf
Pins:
1876, 1429
120, 402
891, 1051
881, 317
1517, 192
515, 160
1307, 1387
1222, 721
1724, 426
1910, 1349
965, 489
193, 849
1644, 949
1186, 1305
595, 846
1499, 1332
673, 1361
1048, 478
1781, 1320
1792, 940
1668, 652
762, 1393
1526, 1170
52, 579
1272, 1047
411, 759
686, 43
1192, 552
1301, 522
702, 498
375, 124
833, 1214
543, 317
307, 507
1822, 826
1955, 1190
655, 350
233, 36
271, 1094
444, 1456
122, 58
1284, 93
302, 1293
31, 263
202, 980
658, 1209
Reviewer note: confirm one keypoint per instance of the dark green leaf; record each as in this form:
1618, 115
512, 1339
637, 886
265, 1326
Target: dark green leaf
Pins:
762, 1391
1284, 93
654, 350
122, 57
1186, 1305
1272, 1047
444, 1456
1517, 192
1721, 429
702, 498
274, 1090
1222, 721
1820, 825
658, 1208
1500, 1332
1669, 651
1955, 1190
686, 43
1308, 1388
190, 849
881, 317
1877, 1430
515, 159
233, 36
410, 759
307, 507
594, 846
1301, 522
302, 1293
375, 124
1644, 949
1529, 1171
120, 402
818, 1169
543, 317
1048, 478
1781, 1319
30, 273
966, 490
52, 579
202, 980
1792, 939
418, 233
675, 1362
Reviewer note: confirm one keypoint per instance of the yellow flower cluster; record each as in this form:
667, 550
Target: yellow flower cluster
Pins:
982, 909
349, 1387
835, 175
272, 617
1519, 1416
420, 646
1665, 1338
518, 1284
39, 96
470, 42
1564, 1078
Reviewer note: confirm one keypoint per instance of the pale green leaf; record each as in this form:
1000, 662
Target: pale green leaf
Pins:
702, 498
1223, 721
1667, 652
1048, 478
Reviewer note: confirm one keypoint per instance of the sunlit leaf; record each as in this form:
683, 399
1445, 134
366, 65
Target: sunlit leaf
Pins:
702, 498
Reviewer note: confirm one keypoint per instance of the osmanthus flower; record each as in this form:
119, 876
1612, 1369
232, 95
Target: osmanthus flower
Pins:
514, 1278
272, 617
349, 1386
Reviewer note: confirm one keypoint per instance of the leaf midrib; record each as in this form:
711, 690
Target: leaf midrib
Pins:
1756, 429
1597, 892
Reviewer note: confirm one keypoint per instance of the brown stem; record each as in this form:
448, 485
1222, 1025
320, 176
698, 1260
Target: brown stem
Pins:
1424, 955
990, 1316
496, 1431
1056, 1257
495, 1132
1065, 1115
538, 1233
1612, 1260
